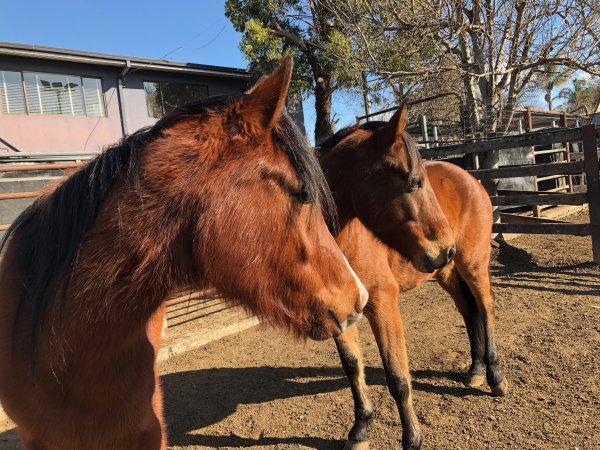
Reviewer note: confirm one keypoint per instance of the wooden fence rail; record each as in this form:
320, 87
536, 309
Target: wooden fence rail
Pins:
584, 163
574, 229
506, 142
16, 163
560, 168
527, 198
16, 195
32, 167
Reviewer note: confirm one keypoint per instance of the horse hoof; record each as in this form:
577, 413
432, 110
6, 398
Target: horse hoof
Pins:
474, 380
413, 445
356, 445
501, 389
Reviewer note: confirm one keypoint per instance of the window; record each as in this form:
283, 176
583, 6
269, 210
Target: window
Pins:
163, 96
47, 93
94, 99
11, 93
53, 94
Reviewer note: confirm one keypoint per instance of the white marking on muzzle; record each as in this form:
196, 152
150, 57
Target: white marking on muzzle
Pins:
364, 294
350, 320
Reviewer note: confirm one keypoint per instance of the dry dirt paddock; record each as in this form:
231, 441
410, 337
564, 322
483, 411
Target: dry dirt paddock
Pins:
263, 390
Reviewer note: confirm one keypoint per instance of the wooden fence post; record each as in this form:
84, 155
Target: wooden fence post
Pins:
529, 128
567, 145
592, 174
424, 132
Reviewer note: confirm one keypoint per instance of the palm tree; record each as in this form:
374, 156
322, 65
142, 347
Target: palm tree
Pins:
551, 76
582, 93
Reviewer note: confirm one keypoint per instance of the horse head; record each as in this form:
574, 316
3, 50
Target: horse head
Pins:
378, 176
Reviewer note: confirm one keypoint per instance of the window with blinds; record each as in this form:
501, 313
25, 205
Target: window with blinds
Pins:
46, 93
53, 94
11, 93
93, 97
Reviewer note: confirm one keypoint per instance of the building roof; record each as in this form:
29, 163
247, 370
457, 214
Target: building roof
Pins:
106, 59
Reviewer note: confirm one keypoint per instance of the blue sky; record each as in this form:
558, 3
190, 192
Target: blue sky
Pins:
184, 30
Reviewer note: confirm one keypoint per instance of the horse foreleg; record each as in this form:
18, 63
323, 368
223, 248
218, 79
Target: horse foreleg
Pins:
479, 284
458, 289
384, 317
350, 354
154, 437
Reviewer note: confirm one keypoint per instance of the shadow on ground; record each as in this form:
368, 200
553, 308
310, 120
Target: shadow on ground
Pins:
9, 440
514, 267
197, 399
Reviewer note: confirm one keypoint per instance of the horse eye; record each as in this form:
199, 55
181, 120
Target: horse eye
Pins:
303, 196
416, 183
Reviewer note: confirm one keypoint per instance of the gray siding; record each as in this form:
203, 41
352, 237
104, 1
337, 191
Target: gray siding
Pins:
62, 133
135, 98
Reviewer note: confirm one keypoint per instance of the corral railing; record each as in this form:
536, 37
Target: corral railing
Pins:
39, 169
23, 176
583, 163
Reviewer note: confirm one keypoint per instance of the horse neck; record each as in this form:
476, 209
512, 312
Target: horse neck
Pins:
137, 252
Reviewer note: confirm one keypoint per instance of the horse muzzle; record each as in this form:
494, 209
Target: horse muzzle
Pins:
432, 263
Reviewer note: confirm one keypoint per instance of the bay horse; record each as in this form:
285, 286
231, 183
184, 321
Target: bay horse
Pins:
224, 192
387, 200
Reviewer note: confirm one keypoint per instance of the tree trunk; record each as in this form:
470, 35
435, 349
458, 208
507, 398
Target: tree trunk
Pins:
471, 104
323, 94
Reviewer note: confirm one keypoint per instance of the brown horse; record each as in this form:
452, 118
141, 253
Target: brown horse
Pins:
388, 201
222, 192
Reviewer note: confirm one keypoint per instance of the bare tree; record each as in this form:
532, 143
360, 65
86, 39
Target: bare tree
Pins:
496, 46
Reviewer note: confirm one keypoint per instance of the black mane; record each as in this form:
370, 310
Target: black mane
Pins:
333, 140
307, 166
51, 231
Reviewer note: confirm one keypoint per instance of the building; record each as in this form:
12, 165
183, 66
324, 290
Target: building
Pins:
596, 113
58, 100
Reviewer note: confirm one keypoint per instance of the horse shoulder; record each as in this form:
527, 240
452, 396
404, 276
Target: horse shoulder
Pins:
466, 205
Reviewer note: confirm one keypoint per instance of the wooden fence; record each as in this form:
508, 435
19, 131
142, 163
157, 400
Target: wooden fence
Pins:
575, 164
182, 307
580, 163
29, 168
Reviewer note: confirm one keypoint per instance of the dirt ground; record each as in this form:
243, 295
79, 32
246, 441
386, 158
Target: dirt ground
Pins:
261, 389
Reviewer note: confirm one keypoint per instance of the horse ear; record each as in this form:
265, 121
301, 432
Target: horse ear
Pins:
266, 99
396, 125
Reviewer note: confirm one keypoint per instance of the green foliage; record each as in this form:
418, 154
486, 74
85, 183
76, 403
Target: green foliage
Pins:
324, 49
264, 51
258, 43
583, 93
335, 52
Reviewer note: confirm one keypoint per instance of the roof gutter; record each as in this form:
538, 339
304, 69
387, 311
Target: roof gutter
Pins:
57, 57
119, 63
165, 68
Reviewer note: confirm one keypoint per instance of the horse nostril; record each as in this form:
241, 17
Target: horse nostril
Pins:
451, 252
